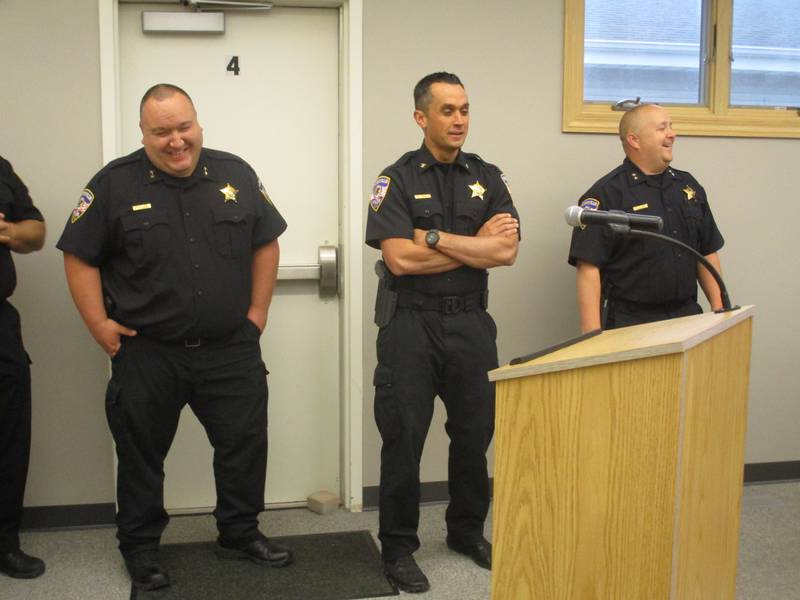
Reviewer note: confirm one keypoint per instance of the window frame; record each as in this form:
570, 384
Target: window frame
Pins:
716, 118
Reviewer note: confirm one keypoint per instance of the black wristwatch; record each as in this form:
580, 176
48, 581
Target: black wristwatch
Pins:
432, 238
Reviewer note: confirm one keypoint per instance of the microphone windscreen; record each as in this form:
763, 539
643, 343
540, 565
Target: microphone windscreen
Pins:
573, 216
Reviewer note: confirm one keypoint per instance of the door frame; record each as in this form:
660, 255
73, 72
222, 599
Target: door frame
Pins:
350, 211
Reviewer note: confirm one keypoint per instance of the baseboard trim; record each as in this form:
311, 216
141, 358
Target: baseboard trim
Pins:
68, 516
102, 514
772, 472
754, 473
429, 492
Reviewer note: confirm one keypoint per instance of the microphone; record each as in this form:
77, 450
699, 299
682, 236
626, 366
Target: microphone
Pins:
576, 216
626, 224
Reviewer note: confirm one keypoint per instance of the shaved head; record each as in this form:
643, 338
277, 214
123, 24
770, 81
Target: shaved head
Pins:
162, 91
647, 137
632, 120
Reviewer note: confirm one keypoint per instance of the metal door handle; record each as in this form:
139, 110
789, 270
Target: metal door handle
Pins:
326, 271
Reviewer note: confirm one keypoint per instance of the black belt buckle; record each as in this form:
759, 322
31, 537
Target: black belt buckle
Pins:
192, 343
452, 305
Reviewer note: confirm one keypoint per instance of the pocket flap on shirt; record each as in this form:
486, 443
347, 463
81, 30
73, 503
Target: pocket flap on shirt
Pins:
227, 215
143, 221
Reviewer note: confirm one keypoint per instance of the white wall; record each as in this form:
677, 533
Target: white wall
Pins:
50, 115
508, 53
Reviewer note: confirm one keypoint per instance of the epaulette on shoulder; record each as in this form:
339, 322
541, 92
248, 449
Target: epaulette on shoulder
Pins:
478, 158
405, 158
222, 155
684, 174
610, 175
122, 161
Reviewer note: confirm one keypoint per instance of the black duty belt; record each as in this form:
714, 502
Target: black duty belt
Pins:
190, 343
194, 342
447, 305
630, 305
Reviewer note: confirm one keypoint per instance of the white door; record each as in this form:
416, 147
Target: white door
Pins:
280, 113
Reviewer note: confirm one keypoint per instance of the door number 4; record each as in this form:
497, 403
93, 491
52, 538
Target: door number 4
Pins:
233, 65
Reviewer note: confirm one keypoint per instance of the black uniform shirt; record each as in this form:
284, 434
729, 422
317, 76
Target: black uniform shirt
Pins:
418, 192
647, 270
174, 254
16, 205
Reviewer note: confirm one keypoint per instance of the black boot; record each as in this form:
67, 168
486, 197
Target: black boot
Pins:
406, 574
480, 552
261, 551
145, 570
16, 563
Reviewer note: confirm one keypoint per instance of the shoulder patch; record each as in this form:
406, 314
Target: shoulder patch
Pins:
379, 191
590, 204
84, 202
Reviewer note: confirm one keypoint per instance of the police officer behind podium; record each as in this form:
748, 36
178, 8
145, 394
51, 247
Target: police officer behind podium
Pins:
441, 217
626, 281
22, 230
171, 256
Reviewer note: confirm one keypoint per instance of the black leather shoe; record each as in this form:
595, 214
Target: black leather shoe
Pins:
479, 552
145, 570
260, 550
406, 574
19, 565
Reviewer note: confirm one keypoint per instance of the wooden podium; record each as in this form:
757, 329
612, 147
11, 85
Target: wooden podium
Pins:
619, 464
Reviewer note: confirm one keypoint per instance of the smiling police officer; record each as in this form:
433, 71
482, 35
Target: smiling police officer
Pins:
441, 217
626, 281
171, 256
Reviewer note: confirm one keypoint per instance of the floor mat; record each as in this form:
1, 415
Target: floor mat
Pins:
327, 566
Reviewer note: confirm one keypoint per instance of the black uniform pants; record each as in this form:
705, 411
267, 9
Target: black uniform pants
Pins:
15, 447
224, 383
422, 354
624, 314
15, 426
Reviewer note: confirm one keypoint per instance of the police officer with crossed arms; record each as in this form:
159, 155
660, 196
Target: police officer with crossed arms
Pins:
441, 217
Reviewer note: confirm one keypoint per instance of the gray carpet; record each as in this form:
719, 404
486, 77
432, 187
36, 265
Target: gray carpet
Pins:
85, 564
327, 566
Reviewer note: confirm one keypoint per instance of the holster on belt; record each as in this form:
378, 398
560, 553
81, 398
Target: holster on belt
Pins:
386, 298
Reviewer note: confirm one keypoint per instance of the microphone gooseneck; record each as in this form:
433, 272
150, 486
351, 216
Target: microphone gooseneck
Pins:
576, 216
623, 223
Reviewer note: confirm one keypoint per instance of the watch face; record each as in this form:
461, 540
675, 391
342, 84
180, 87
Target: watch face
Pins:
432, 237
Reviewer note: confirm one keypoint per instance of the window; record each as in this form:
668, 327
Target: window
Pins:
766, 53
723, 67
637, 49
